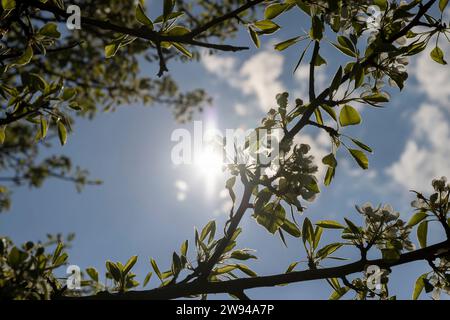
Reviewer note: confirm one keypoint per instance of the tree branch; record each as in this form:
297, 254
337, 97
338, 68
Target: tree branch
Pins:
202, 287
319, 100
151, 35
225, 17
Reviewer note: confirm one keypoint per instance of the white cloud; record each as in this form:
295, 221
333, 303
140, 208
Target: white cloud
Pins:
219, 65
427, 152
433, 78
240, 109
302, 78
258, 76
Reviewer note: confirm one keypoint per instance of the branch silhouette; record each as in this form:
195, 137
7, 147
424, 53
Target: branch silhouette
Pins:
199, 287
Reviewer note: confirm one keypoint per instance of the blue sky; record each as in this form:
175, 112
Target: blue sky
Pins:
139, 210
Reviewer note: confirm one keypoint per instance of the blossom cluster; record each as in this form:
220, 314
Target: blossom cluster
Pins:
384, 228
439, 280
437, 200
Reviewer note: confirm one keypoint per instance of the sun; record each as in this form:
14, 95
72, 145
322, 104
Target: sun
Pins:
209, 162
209, 165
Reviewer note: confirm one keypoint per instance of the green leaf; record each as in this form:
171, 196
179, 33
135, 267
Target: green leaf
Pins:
376, 98
225, 269
362, 145
438, 55
330, 111
271, 217
291, 267
16, 257
358, 75
8, 4
382, 4
142, 18
313, 186
299, 62
169, 17
329, 176
317, 236
44, 127
57, 252
418, 287
320, 61
114, 270
346, 43
93, 273
166, 274
50, 30
147, 278
184, 248
266, 26
330, 160
176, 264
129, 265
37, 82
291, 228
318, 115
209, 229
422, 232
307, 231
182, 49
349, 116
242, 255
317, 27
442, 5
345, 50
25, 58
336, 295
417, 217
155, 268
62, 133
329, 224
168, 8
287, 43
274, 10
360, 158
111, 50
254, 36
328, 249
2, 134
69, 94
245, 269
303, 6
352, 227
178, 31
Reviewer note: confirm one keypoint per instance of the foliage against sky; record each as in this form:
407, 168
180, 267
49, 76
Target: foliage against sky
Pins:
90, 97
